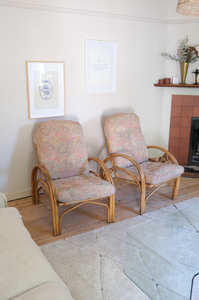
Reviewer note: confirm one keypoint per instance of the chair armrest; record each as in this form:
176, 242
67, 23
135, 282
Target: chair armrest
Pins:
50, 192
103, 168
173, 159
48, 183
133, 161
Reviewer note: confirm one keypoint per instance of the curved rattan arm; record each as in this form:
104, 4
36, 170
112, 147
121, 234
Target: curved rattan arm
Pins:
133, 161
103, 168
173, 159
51, 191
48, 184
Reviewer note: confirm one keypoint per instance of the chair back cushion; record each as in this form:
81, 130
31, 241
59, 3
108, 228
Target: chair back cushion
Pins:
124, 136
61, 148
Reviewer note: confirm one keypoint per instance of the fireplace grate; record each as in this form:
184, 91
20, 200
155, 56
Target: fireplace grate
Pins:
193, 159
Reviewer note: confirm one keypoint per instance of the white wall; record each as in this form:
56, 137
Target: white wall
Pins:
31, 31
120, 8
178, 28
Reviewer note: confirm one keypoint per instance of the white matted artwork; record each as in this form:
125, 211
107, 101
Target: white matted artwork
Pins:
101, 66
46, 89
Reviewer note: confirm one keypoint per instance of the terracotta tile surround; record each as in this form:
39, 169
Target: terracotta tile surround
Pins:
183, 108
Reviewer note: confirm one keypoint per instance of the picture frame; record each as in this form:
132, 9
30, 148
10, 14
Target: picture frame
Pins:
101, 67
46, 89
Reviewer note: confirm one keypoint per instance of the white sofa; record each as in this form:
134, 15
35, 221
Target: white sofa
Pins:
25, 273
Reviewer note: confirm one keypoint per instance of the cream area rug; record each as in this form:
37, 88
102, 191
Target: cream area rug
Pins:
92, 264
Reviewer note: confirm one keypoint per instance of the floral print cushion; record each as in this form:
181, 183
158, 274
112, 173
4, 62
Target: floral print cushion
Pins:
61, 148
155, 173
82, 187
124, 136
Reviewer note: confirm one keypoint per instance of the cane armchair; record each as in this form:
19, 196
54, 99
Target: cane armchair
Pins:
130, 161
63, 170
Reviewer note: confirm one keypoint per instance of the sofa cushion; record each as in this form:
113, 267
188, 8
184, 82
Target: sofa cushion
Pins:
46, 291
22, 264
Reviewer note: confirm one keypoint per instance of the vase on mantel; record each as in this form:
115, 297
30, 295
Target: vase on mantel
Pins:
183, 67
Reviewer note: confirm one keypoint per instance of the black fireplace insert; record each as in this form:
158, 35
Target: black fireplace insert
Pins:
193, 159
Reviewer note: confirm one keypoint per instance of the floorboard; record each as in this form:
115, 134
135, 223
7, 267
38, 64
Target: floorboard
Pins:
38, 220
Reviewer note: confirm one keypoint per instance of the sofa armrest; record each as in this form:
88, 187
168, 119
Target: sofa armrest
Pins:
22, 264
3, 200
46, 291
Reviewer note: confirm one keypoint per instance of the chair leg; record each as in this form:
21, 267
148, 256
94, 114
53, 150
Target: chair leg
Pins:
142, 199
113, 208
35, 193
110, 209
111, 212
55, 219
55, 216
59, 227
176, 188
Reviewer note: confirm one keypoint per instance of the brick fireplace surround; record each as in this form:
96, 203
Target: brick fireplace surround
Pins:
183, 108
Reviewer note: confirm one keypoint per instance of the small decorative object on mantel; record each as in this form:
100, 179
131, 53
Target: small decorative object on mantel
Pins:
164, 81
175, 80
186, 54
196, 72
161, 81
167, 80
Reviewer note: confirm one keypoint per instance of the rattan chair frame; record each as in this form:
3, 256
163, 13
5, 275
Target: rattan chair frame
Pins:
142, 185
50, 193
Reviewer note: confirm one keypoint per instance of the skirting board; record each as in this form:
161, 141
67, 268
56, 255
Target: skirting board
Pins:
20, 194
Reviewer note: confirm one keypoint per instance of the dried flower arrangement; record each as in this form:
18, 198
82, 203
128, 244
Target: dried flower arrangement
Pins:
186, 54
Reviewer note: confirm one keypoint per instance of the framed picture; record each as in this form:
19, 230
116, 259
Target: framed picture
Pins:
101, 65
45, 89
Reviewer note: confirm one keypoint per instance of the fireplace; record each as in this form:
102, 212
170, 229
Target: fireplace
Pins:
183, 109
193, 159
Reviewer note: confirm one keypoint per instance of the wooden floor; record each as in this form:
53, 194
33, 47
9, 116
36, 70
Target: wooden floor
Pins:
37, 217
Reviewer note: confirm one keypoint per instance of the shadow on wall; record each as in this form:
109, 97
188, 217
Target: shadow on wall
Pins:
94, 134
24, 154
23, 159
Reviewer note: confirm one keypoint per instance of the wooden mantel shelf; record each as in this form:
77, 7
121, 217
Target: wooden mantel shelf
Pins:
178, 85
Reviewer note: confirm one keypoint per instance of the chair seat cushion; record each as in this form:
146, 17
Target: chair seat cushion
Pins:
155, 173
82, 187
